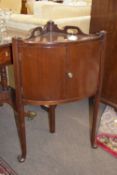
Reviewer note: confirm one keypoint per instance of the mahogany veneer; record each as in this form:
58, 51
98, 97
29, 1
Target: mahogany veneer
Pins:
104, 17
51, 69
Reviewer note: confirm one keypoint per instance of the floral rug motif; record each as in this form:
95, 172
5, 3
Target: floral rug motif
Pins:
107, 133
5, 169
108, 142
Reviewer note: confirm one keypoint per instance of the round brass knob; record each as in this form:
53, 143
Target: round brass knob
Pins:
6, 54
70, 75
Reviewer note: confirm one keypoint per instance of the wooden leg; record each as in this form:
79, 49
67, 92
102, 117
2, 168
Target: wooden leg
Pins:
3, 75
51, 115
45, 108
22, 135
95, 121
91, 101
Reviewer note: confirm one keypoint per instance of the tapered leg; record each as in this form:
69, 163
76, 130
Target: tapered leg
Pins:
22, 134
95, 121
51, 115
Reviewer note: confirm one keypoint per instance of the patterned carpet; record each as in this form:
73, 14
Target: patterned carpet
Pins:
107, 136
108, 142
5, 169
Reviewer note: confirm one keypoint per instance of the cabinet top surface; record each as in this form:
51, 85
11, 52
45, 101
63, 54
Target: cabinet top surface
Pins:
49, 34
55, 37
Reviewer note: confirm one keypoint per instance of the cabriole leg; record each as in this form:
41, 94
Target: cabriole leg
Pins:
22, 134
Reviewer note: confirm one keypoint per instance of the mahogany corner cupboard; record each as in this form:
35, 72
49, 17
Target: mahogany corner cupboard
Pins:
55, 66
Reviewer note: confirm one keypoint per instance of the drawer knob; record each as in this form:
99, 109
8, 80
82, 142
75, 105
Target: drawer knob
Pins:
6, 54
70, 75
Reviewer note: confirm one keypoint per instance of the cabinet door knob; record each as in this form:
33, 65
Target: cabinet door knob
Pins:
6, 54
70, 75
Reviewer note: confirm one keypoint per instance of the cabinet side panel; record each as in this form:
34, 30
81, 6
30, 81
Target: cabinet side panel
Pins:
104, 17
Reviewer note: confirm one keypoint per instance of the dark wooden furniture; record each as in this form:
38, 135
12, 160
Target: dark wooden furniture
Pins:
5, 59
51, 69
24, 8
104, 17
58, 1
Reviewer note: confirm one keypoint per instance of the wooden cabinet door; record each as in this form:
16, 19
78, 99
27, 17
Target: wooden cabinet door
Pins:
83, 63
44, 74
104, 17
